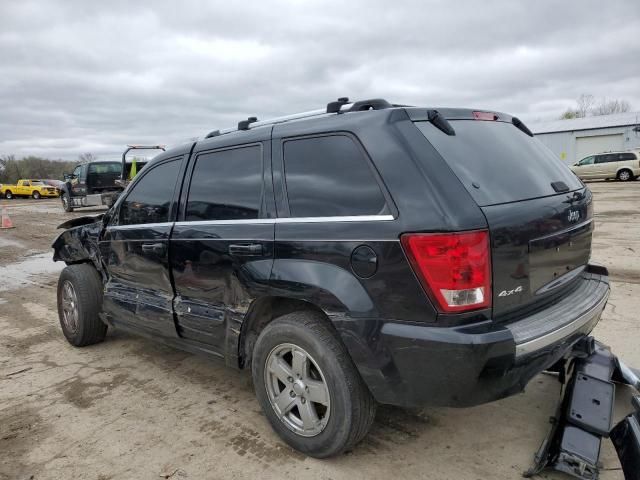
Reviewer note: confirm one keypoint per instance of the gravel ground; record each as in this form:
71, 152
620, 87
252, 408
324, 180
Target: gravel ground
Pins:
133, 409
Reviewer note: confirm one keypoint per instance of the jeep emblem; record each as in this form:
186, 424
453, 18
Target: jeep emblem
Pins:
574, 215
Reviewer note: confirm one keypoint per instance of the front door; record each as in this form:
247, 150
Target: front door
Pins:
135, 248
221, 252
585, 168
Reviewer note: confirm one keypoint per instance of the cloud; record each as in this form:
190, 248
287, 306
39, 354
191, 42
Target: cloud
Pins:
79, 76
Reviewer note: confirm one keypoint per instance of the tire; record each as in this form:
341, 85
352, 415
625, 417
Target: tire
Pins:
8, 195
66, 202
79, 303
625, 175
36, 195
347, 416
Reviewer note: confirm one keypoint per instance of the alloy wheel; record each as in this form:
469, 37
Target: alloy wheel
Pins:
69, 307
297, 390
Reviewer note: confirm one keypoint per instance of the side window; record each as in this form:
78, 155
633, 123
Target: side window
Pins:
150, 199
76, 171
226, 185
610, 157
623, 157
330, 177
26, 183
587, 161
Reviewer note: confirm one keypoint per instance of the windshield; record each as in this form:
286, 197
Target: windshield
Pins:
498, 163
106, 167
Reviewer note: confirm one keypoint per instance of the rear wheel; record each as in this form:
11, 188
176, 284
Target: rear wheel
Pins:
8, 195
79, 303
36, 195
66, 202
625, 175
308, 386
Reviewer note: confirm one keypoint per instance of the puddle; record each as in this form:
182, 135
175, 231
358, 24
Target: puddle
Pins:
27, 271
6, 242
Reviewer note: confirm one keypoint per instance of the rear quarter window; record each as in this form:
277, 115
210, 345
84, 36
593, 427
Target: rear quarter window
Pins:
498, 163
330, 176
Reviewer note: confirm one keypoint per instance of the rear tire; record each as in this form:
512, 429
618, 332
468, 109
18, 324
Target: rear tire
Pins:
79, 303
327, 408
66, 202
8, 195
625, 175
36, 195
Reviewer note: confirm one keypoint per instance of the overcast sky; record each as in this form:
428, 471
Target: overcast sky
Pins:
81, 76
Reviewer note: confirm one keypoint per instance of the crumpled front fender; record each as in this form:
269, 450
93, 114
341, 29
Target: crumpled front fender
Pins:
79, 244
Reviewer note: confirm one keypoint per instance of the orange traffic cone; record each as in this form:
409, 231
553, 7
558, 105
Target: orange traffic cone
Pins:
6, 221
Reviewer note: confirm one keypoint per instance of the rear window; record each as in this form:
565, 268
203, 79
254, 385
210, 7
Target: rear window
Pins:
103, 168
627, 156
498, 163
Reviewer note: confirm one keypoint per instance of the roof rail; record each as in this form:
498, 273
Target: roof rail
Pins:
244, 124
372, 104
342, 105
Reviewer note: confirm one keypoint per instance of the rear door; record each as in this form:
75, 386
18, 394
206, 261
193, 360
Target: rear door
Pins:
539, 213
606, 165
221, 250
135, 249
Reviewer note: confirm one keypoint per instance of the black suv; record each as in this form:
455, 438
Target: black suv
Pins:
367, 253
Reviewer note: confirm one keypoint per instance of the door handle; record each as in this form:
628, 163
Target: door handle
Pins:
251, 250
156, 248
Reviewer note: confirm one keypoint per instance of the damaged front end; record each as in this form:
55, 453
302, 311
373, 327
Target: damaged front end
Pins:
585, 415
79, 242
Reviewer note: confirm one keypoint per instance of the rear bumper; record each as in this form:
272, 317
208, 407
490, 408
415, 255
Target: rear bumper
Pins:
411, 365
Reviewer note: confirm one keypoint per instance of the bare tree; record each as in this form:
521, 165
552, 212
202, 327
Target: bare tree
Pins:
607, 107
87, 157
583, 104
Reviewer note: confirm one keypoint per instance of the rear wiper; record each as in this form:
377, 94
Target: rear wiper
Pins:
441, 123
521, 126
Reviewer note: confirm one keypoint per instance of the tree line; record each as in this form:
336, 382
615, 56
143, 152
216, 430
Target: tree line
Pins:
587, 105
13, 169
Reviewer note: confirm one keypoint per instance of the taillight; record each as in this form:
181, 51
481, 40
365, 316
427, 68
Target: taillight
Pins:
454, 268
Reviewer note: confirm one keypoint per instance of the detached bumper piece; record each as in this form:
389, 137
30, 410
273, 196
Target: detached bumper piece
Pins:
585, 413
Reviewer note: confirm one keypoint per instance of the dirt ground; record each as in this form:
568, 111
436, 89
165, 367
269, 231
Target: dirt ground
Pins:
132, 409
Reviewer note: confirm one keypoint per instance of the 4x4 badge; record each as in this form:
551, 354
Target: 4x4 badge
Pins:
506, 293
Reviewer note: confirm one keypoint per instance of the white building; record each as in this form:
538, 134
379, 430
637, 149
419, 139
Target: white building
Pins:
575, 139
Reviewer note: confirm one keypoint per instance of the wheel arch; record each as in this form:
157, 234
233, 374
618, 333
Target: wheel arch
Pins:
261, 313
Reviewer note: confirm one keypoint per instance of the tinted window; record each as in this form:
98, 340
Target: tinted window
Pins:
226, 185
627, 156
150, 199
611, 157
587, 161
330, 176
498, 163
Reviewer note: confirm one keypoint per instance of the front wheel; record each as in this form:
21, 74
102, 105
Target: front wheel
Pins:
66, 202
79, 303
36, 195
308, 386
8, 195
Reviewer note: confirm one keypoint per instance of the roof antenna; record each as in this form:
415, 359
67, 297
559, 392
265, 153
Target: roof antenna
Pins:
334, 107
244, 124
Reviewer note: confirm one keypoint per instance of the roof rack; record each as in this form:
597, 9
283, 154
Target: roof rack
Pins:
342, 105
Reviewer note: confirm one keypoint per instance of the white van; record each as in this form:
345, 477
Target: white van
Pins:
623, 166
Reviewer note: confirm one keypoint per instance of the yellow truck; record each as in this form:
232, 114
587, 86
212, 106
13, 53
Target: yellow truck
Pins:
29, 188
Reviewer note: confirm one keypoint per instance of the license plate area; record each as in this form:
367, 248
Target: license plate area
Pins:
553, 256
